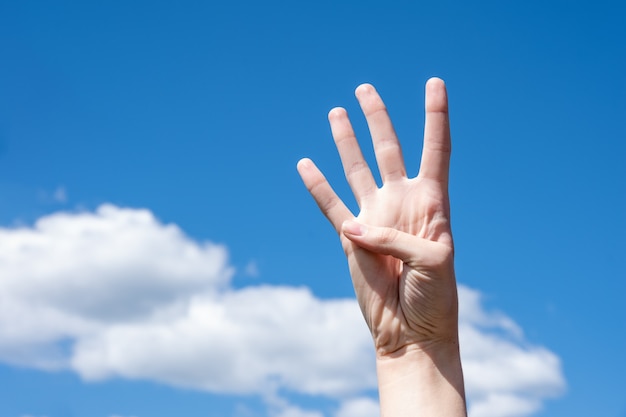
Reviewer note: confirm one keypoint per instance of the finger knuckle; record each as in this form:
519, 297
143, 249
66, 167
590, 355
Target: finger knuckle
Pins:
387, 236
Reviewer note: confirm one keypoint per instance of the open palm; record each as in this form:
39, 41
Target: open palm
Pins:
399, 247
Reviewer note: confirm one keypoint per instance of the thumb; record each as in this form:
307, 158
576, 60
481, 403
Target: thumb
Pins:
387, 241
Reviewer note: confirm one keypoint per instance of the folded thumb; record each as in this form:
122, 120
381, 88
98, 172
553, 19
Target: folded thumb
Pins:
384, 240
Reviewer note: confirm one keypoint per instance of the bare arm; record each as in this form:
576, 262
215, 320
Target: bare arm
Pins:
400, 253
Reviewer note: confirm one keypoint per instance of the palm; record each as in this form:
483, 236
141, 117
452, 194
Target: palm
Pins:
403, 303
396, 298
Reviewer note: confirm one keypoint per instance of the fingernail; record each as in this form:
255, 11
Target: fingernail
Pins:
353, 228
304, 163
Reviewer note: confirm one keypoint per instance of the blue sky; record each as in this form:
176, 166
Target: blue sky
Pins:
136, 137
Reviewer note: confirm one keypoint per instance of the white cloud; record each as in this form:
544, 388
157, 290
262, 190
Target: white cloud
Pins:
116, 293
245, 341
113, 263
504, 405
292, 411
504, 375
359, 407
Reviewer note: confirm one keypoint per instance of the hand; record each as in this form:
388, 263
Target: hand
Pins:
399, 247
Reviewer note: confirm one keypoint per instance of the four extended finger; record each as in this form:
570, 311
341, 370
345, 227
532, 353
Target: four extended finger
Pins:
386, 145
329, 203
356, 169
435, 163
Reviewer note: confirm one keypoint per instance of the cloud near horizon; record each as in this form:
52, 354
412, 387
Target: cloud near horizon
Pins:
117, 294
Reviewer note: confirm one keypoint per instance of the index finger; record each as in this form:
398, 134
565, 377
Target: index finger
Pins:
435, 163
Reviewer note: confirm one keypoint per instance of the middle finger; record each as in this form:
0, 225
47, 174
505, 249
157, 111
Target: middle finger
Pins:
386, 145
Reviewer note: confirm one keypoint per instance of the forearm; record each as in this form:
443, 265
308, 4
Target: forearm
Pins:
422, 383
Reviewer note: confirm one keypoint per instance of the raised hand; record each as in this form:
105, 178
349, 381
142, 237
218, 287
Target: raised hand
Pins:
399, 247
400, 252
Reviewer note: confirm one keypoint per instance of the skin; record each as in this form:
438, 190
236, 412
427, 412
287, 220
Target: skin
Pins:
401, 255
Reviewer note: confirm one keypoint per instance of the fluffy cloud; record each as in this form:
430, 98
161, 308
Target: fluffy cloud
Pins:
242, 342
116, 293
292, 411
359, 407
504, 375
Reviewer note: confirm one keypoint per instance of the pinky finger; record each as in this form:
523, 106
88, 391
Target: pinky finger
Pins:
329, 203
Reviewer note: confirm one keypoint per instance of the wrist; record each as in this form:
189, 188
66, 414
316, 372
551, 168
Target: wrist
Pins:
424, 380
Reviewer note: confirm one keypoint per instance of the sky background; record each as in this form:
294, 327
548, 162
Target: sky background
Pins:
159, 255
